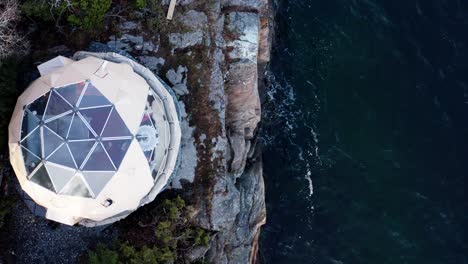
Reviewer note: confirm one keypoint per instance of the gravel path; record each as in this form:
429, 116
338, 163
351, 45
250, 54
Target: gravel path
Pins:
30, 239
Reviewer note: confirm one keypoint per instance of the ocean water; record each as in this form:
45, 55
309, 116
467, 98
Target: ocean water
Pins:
366, 133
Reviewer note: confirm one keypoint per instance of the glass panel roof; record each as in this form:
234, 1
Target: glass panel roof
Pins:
41, 177
59, 175
92, 97
61, 125
74, 127
33, 142
51, 141
147, 135
62, 156
149, 155
72, 92
115, 126
80, 150
146, 121
79, 129
30, 122
30, 160
37, 107
76, 187
117, 149
97, 180
96, 117
56, 106
99, 160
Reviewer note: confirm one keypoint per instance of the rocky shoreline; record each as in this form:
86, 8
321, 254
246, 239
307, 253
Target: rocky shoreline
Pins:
228, 180
214, 55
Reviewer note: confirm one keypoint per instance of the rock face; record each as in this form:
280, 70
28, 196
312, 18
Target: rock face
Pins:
225, 47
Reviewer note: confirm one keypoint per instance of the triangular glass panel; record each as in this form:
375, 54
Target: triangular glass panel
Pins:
38, 107
96, 117
51, 141
149, 155
146, 120
63, 157
29, 123
98, 161
97, 180
56, 106
76, 187
30, 161
92, 97
59, 175
33, 142
115, 126
72, 92
61, 125
117, 149
80, 150
79, 130
41, 177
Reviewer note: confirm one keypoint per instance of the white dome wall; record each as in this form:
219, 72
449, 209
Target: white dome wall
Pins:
132, 182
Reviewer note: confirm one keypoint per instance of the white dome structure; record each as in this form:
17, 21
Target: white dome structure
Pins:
91, 140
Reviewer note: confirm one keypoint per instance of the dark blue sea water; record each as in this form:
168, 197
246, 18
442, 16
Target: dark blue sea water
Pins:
366, 133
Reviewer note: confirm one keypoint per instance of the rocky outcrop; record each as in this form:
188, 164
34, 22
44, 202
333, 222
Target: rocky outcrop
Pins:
243, 106
224, 56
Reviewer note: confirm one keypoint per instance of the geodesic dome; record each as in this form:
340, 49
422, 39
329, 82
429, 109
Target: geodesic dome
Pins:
91, 139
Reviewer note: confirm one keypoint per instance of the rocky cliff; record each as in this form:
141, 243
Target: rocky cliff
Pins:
218, 59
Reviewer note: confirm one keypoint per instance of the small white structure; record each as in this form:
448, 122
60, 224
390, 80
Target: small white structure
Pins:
170, 11
91, 140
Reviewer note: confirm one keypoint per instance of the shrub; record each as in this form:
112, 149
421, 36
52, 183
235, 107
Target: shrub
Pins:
201, 238
88, 14
173, 207
11, 41
125, 253
85, 15
102, 255
163, 232
45, 11
140, 4
172, 236
146, 255
154, 14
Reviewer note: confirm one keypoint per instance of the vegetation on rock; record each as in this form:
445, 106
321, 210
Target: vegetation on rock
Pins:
44, 11
154, 14
88, 14
171, 236
85, 15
